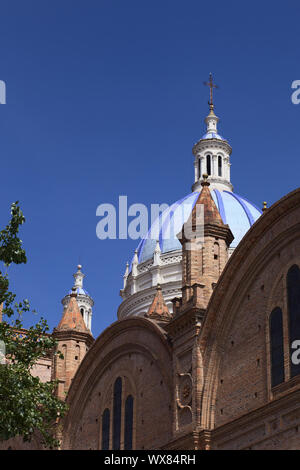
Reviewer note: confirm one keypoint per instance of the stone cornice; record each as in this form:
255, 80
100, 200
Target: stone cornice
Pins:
63, 335
185, 320
80, 297
203, 144
146, 294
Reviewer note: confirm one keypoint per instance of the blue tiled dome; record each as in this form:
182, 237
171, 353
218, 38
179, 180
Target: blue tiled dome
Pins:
212, 135
80, 291
236, 211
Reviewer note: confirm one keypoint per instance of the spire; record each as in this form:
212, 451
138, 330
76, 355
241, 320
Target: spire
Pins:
72, 318
158, 310
135, 263
211, 213
125, 277
205, 215
78, 277
211, 120
205, 240
212, 152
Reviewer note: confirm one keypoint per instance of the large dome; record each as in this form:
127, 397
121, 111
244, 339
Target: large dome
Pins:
158, 257
235, 210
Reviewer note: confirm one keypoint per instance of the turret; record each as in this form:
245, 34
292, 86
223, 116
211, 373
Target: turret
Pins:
84, 300
74, 339
205, 240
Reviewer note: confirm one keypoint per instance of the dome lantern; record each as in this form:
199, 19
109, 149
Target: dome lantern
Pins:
212, 152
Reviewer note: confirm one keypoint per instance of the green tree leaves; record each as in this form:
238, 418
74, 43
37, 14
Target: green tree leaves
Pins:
27, 405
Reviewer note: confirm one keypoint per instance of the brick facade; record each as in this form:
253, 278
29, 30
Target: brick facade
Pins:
200, 378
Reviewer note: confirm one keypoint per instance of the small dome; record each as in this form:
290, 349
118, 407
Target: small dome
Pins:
235, 210
212, 135
80, 291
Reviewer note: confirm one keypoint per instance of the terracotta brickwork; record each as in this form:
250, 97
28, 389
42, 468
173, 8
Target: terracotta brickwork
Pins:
205, 240
238, 400
199, 378
136, 350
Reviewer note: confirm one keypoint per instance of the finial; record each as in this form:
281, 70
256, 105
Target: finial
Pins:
74, 292
135, 262
156, 255
79, 267
126, 270
205, 182
264, 206
211, 85
126, 274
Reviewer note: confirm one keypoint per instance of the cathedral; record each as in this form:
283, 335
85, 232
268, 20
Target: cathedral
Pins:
201, 355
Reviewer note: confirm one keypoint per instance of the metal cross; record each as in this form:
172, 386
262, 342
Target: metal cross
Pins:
211, 85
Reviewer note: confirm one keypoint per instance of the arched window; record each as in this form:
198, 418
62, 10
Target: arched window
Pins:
117, 413
128, 423
216, 251
199, 168
77, 352
64, 359
82, 311
219, 165
293, 295
105, 429
208, 165
276, 345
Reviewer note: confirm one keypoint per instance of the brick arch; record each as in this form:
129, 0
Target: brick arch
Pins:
274, 232
106, 400
108, 358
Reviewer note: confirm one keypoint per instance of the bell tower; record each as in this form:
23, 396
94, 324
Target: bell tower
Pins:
205, 240
212, 152
84, 300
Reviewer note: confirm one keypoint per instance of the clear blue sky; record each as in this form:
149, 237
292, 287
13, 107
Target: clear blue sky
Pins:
105, 98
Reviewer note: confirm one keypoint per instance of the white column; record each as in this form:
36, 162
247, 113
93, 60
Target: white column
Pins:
200, 166
214, 165
196, 169
203, 166
156, 277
